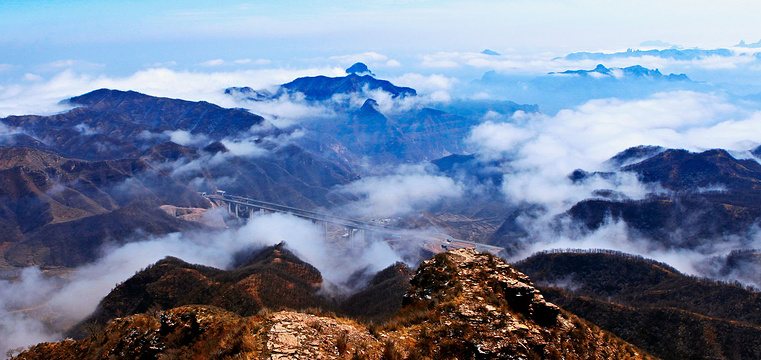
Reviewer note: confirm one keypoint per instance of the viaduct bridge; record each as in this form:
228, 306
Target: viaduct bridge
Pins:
242, 207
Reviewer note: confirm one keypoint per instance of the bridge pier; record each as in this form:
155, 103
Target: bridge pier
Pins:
355, 234
355, 229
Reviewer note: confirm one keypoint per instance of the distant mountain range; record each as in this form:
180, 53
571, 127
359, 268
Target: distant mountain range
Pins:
650, 304
635, 71
756, 44
676, 54
709, 196
101, 170
359, 79
571, 88
402, 134
111, 124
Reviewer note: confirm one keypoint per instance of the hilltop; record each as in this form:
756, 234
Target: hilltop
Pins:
651, 304
461, 304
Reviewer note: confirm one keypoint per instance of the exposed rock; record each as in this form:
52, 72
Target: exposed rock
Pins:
304, 336
474, 305
462, 305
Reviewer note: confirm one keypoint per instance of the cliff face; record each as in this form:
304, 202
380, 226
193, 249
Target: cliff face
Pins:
462, 305
468, 305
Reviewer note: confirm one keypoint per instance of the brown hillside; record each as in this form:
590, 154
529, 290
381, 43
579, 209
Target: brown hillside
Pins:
652, 305
272, 278
462, 305
73, 243
56, 211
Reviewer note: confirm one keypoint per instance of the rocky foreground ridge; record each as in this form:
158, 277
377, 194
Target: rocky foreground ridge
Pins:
462, 305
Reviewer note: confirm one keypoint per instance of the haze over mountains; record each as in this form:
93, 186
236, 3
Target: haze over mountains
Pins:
608, 157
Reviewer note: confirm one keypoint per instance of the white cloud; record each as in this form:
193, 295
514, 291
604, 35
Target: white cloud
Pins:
366, 57
543, 150
441, 60
501, 138
85, 130
425, 83
43, 97
286, 111
247, 147
291, 109
185, 138
213, 62
615, 235
373, 60
79, 65
62, 63
164, 64
32, 77
410, 189
543, 62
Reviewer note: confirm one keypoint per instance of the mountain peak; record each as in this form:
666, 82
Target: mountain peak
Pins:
490, 52
318, 88
461, 305
359, 69
216, 147
457, 267
635, 71
369, 117
370, 105
95, 97
601, 69
746, 45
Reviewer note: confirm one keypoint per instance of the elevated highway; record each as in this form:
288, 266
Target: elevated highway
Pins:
242, 207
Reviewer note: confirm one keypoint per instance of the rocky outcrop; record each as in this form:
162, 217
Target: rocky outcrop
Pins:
474, 305
294, 335
462, 305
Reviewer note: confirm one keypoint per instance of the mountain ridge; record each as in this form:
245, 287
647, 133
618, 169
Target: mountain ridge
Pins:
651, 304
462, 305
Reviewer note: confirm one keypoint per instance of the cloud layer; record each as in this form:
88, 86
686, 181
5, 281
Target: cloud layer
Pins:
43, 96
544, 150
408, 189
541, 151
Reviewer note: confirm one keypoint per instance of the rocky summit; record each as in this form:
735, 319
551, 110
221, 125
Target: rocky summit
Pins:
470, 305
461, 305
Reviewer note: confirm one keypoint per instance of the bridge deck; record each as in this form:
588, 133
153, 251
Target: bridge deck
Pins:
443, 240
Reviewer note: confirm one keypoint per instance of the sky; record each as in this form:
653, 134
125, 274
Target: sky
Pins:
121, 37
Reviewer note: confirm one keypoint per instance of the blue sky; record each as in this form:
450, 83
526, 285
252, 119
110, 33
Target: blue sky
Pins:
64, 48
127, 35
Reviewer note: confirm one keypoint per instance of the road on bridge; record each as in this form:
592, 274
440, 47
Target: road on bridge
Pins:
441, 242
